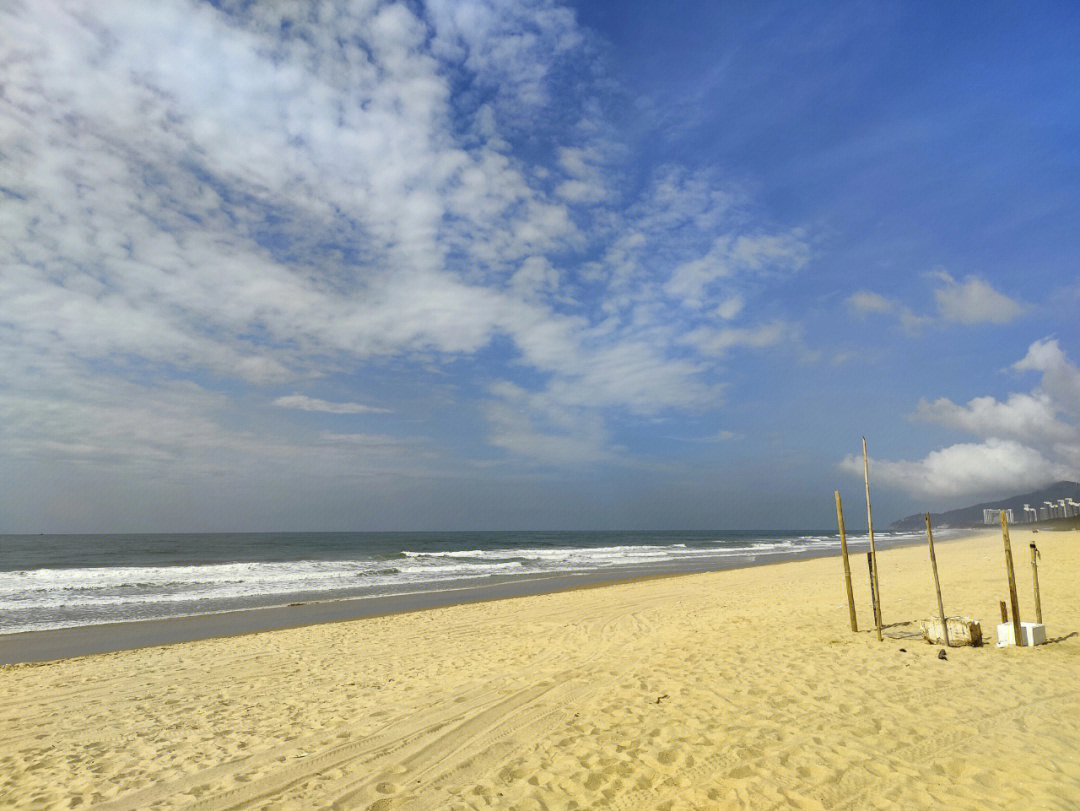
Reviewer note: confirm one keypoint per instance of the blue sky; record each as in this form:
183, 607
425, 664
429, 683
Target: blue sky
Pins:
475, 265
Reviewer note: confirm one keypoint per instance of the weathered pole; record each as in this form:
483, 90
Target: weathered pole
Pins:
937, 583
847, 564
876, 584
873, 593
1014, 602
1035, 580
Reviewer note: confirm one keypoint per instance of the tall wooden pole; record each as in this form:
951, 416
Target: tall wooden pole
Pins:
873, 552
937, 583
873, 593
847, 564
1014, 603
1035, 580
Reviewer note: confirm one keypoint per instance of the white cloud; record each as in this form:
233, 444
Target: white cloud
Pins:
866, 301
305, 403
1028, 440
1024, 417
972, 301
995, 466
247, 195
578, 191
730, 308
719, 436
716, 342
510, 47
732, 255
1060, 378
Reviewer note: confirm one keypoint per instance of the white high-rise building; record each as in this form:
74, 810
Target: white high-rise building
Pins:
994, 516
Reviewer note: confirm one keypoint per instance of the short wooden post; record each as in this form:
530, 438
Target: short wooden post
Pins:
1035, 580
937, 583
876, 584
847, 565
1014, 602
1004, 612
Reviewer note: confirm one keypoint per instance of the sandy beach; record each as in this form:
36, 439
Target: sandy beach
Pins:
732, 689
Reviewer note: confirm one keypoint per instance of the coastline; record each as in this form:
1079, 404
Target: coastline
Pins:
742, 688
87, 640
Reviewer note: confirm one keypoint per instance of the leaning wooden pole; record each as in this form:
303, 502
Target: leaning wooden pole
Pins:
1014, 602
847, 564
876, 585
1035, 580
937, 582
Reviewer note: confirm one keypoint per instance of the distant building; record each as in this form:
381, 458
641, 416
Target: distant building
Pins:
994, 516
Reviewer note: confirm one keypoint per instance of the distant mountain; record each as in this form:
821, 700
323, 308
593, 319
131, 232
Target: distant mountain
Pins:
973, 516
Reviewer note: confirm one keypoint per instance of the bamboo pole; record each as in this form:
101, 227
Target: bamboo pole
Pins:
937, 583
876, 584
873, 592
847, 564
1014, 602
1035, 580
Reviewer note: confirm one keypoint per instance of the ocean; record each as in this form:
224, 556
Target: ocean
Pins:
59, 581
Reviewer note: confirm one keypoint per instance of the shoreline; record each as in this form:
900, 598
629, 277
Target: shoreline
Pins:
734, 689
57, 644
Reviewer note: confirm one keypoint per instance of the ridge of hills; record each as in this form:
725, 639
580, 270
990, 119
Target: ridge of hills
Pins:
973, 516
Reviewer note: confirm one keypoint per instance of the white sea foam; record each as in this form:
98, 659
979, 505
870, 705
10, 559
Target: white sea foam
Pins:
42, 598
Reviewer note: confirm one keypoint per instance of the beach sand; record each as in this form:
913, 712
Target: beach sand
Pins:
732, 689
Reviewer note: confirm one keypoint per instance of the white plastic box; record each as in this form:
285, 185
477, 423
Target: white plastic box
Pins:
1032, 632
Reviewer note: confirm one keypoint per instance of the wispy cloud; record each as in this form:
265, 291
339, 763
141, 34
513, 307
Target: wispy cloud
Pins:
305, 403
969, 302
719, 436
202, 201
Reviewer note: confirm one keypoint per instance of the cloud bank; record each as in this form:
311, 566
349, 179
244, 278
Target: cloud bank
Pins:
1025, 441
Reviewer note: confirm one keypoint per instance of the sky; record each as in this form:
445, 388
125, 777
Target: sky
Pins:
473, 265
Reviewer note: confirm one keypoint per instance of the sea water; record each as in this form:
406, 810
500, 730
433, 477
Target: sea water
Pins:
56, 581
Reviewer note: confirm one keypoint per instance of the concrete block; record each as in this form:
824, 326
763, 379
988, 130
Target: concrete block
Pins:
962, 631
